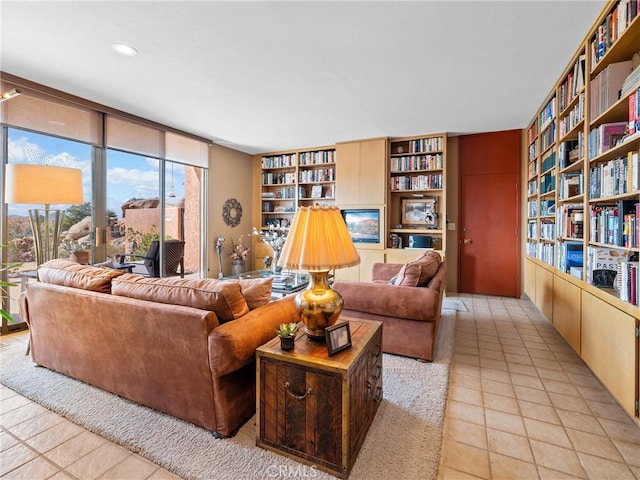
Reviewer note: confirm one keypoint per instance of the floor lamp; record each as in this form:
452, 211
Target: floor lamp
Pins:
46, 185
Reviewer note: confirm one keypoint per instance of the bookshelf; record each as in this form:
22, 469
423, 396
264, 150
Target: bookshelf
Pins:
292, 179
417, 201
583, 201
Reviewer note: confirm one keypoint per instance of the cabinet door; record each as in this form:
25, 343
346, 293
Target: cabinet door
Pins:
566, 311
530, 280
544, 292
348, 173
609, 348
373, 183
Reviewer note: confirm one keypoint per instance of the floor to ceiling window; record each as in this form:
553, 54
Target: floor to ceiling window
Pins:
141, 183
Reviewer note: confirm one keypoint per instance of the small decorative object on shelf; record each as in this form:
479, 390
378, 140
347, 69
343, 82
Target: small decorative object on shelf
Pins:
275, 238
287, 333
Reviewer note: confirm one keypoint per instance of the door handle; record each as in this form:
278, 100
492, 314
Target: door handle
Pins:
466, 240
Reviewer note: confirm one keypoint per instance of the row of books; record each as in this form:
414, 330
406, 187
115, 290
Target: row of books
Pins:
548, 230
570, 255
575, 116
612, 28
317, 175
573, 84
606, 86
613, 224
416, 162
280, 193
571, 184
317, 158
548, 161
417, 182
532, 187
548, 113
278, 178
605, 137
532, 133
532, 208
548, 137
570, 151
547, 183
533, 150
532, 168
547, 253
615, 177
627, 281
279, 161
631, 228
532, 229
547, 207
634, 110
569, 220
421, 145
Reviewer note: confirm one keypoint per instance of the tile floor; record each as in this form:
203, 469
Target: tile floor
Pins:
521, 405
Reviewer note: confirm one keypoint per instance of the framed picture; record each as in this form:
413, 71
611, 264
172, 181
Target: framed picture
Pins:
338, 338
316, 191
420, 211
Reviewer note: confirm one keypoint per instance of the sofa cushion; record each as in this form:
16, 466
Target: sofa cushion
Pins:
429, 263
256, 291
72, 274
223, 298
409, 275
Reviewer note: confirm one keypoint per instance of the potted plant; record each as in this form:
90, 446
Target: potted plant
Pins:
287, 334
78, 250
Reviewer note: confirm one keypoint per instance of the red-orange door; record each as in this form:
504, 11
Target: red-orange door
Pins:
489, 232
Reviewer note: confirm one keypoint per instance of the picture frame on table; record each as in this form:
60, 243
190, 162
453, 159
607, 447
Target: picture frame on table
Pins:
338, 338
420, 211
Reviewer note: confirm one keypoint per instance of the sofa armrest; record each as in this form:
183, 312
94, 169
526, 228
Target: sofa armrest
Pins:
384, 271
414, 303
233, 344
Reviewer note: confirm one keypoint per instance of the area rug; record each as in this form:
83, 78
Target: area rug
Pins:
404, 440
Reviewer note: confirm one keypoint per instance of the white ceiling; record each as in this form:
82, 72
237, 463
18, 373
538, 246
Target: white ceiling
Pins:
267, 76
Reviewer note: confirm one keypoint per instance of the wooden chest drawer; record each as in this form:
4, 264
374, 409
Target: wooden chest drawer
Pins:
316, 408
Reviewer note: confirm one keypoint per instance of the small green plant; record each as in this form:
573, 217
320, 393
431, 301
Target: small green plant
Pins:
287, 330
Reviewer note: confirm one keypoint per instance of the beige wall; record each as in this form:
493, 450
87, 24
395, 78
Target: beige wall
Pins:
452, 214
230, 176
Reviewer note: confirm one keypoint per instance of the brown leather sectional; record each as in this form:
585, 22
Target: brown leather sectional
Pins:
183, 347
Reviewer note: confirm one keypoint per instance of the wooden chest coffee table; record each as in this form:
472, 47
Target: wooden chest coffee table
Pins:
315, 408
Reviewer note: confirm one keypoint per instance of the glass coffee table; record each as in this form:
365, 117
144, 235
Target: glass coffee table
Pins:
284, 283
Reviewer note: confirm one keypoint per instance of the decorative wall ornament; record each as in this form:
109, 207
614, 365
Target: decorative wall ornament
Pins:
232, 212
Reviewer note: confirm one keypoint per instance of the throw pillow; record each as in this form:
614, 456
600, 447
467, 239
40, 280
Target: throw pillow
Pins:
409, 275
72, 274
393, 280
256, 291
223, 298
429, 261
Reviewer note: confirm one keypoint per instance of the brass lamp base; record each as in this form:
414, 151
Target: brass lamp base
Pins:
319, 305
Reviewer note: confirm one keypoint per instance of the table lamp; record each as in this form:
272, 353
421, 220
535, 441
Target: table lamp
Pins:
48, 185
318, 242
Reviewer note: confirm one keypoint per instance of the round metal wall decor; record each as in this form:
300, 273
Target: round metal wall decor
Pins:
232, 212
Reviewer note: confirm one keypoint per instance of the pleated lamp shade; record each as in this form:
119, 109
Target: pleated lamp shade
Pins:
318, 240
43, 184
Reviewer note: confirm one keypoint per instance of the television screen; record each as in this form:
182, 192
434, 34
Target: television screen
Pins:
363, 224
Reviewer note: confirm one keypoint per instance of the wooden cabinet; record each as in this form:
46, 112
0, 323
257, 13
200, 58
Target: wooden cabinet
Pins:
567, 311
544, 291
315, 408
361, 174
361, 272
610, 348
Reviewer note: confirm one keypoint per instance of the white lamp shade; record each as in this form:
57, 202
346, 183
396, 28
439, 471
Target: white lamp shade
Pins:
43, 184
318, 240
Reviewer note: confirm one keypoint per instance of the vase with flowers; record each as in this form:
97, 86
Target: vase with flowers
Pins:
238, 253
78, 250
275, 238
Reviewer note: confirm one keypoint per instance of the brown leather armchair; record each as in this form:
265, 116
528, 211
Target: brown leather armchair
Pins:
410, 311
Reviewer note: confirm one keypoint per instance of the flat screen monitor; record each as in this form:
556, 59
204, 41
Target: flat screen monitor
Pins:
363, 224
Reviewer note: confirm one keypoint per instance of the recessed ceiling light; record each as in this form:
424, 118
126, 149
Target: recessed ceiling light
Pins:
123, 49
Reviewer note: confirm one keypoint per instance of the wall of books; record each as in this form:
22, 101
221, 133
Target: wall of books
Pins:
583, 171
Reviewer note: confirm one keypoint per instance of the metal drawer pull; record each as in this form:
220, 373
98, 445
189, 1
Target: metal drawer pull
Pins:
287, 385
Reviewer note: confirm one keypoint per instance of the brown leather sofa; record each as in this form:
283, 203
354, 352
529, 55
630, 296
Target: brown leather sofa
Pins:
409, 306
184, 347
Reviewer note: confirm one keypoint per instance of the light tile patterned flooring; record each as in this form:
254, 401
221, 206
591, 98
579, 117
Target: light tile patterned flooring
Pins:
521, 405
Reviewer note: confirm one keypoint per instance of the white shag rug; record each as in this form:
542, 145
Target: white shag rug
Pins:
404, 440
